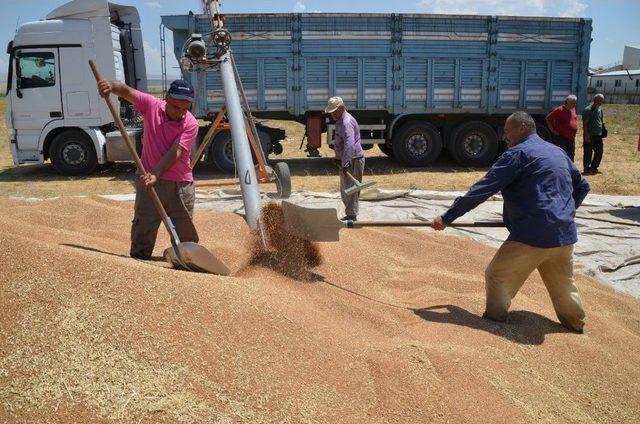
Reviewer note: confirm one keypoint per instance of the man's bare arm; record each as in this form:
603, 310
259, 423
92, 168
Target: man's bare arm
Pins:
120, 89
167, 161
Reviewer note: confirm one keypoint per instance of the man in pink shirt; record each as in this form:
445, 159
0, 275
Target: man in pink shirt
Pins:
169, 132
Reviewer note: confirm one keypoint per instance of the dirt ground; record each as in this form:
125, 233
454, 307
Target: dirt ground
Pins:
392, 334
620, 167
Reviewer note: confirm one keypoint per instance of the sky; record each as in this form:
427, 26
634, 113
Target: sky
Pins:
615, 22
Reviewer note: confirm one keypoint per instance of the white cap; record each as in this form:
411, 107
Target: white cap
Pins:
333, 104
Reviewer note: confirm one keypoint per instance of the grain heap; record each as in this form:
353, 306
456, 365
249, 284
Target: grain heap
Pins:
391, 334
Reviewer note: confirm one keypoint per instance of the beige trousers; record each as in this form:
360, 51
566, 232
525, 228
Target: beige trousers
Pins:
511, 266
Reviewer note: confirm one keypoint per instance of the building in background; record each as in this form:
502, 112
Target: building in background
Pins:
631, 58
617, 86
618, 82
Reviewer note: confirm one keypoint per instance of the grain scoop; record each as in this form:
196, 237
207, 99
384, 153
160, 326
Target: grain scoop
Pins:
188, 255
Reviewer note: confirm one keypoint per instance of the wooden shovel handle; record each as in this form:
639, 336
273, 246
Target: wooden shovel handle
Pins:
152, 191
362, 224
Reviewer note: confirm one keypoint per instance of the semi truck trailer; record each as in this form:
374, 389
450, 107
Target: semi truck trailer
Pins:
418, 84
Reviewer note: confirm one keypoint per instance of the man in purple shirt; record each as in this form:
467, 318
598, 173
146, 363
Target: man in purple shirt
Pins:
349, 154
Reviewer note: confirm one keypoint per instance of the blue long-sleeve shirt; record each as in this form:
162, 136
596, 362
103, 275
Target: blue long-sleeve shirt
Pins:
347, 145
541, 188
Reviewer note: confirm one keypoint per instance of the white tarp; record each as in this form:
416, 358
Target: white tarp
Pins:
608, 226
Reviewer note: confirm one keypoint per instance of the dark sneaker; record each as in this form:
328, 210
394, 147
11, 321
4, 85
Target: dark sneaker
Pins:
349, 218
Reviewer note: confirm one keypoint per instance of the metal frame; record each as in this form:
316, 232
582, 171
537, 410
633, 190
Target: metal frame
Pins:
220, 123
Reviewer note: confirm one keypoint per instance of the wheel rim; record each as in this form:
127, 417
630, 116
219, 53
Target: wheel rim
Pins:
74, 154
474, 144
228, 151
418, 145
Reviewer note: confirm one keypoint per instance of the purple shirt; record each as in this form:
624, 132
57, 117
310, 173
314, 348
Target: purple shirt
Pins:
347, 146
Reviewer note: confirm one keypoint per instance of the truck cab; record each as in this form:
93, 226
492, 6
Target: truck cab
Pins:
54, 111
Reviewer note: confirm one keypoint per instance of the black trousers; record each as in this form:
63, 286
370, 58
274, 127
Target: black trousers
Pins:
593, 153
569, 146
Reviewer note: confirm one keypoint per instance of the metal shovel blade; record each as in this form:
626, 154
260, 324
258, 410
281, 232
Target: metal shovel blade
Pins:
316, 224
359, 187
196, 258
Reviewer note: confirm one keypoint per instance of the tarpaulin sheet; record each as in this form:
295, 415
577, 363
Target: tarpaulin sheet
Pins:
608, 245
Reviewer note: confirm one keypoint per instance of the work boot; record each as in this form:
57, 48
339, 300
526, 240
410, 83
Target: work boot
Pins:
349, 218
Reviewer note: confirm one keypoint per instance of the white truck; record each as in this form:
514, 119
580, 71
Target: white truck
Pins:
54, 111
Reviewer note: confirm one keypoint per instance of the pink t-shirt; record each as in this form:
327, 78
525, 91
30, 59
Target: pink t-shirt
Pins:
160, 134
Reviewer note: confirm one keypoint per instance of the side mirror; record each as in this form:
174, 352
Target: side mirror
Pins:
18, 76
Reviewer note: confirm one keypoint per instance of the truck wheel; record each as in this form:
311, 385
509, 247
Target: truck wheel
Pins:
72, 153
474, 143
417, 144
277, 148
222, 152
283, 180
267, 147
387, 149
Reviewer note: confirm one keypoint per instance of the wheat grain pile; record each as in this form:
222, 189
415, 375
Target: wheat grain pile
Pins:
388, 330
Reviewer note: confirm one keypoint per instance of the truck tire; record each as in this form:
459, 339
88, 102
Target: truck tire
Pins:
283, 180
417, 144
387, 149
474, 143
72, 153
222, 152
265, 141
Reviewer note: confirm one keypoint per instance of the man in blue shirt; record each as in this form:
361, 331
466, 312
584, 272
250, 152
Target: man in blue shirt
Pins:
541, 188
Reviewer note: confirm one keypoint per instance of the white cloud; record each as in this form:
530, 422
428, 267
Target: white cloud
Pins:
299, 7
153, 4
567, 8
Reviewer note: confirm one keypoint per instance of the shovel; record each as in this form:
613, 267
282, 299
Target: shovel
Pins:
188, 255
357, 185
317, 224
